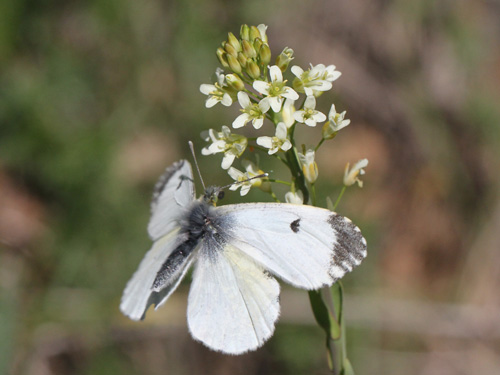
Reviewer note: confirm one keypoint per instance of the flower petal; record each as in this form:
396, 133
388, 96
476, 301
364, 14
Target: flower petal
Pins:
281, 130
262, 87
241, 120
243, 99
275, 74
266, 142
297, 71
207, 88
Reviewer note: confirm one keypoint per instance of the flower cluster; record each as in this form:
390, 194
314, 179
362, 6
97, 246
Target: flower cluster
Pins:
266, 96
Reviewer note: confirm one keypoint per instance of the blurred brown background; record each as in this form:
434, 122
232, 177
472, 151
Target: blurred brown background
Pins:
98, 97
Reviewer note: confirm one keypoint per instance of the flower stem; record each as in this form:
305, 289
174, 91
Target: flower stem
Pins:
339, 198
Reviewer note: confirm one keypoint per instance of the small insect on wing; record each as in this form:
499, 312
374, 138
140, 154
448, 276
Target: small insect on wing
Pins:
173, 194
308, 247
233, 303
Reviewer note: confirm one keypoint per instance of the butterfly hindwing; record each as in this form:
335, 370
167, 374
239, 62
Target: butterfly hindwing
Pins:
172, 196
233, 303
308, 247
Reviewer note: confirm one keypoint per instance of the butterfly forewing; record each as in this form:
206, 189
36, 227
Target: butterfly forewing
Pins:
172, 197
306, 246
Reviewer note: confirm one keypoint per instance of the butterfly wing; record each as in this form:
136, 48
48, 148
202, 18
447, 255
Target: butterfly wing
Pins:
308, 247
233, 303
140, 292
152, 283
173, 194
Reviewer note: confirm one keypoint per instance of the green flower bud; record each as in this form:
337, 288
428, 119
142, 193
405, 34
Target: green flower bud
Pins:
253, 69
230, 49
248, 49
235, 82
245, 32
265, 55
242, 59
221, 55
284, 58
257, 44
234, 65
254, 33
231, 39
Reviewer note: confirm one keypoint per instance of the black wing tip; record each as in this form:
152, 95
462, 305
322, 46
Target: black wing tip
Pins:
351, 247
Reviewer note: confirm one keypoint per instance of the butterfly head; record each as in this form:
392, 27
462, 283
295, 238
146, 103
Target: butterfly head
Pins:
213, 194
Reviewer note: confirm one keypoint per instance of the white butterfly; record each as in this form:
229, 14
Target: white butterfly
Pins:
236, 249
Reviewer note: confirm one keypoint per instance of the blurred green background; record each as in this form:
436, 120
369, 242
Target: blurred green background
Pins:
98, 97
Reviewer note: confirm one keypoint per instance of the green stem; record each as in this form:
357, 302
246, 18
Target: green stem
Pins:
319, 144
313, 194
279, 181
339, 198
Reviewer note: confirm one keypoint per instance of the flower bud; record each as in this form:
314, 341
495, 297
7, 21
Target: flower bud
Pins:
221, 55
234, 65
257, 44
248, 49
253, 69
309, 166
235, 82
245, 32
284, 58
254, 33
230, 49
265, 55
233, 41
242, 59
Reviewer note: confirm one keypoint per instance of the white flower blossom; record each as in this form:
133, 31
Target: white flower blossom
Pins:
335, 123
256, 112
315, 80
216, 92
278, 142
309, 166
309, 115
351, 176
243, 178
262, 30
294, 198
232, 145
275, 91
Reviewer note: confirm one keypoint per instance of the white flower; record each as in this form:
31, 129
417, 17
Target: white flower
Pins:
276, 91
335, 123
251, 111
309, 166
294, 198
232, 145
309, 115
318, 78
216, 92
287, 112
262, 30
351, 176
243, 179
278, 142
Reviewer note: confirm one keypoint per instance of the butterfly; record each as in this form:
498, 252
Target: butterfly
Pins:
236, 251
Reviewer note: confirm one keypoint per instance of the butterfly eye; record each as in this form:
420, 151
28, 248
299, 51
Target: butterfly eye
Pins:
220, 195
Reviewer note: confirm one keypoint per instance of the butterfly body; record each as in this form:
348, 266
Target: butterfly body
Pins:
236, 251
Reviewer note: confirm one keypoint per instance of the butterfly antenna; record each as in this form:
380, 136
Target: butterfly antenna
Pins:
248, 179
191, 147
